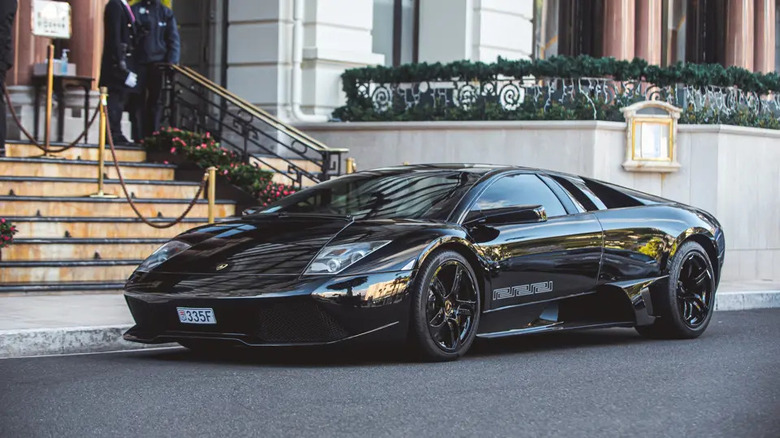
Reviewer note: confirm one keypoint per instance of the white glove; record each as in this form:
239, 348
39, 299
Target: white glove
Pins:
132, 80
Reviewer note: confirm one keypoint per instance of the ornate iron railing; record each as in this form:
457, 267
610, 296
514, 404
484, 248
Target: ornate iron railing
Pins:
539, 96
194, 103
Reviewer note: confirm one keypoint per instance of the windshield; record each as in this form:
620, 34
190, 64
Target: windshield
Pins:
423, 194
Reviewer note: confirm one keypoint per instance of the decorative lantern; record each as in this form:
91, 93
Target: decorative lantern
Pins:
651, 137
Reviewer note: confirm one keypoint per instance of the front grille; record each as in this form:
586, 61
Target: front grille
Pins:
297, 322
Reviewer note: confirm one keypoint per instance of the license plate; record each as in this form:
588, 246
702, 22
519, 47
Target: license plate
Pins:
192, 315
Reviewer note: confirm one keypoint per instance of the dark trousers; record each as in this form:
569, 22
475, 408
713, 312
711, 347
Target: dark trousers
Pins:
2, 111
146, 104
117, 98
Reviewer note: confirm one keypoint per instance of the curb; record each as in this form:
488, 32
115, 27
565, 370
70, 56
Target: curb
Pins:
53, 341
747, 300
50, 341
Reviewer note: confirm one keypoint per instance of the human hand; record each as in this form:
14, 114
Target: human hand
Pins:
131, 80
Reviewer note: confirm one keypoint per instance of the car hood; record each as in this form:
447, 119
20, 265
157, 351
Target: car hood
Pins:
273, 245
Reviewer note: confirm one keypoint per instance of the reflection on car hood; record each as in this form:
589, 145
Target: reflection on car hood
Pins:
255, 245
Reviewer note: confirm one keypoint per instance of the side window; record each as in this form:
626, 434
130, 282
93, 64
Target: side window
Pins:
611, 197
517, 190
580, 193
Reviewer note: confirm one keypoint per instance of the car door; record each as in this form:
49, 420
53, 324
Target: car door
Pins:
537, 260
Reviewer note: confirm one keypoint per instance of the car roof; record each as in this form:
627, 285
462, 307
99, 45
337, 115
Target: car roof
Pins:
462, 167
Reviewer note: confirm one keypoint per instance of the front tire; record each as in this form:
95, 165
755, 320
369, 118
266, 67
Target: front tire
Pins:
685, 306
445, 307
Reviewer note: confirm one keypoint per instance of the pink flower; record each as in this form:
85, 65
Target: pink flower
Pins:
6, 238
225, 172
165, 162
173, 150
208, 134
2, 221
286, 193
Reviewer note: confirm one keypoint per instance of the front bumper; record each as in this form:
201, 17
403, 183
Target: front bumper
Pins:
309, 312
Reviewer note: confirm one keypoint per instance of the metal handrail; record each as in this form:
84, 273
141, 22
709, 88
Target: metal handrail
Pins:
196, 103
260, 113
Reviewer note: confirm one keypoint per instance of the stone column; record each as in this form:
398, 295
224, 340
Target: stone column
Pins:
333, 42
619, 24
86, 43
28, 49
765, 36
739, 33
648, 30
476, 30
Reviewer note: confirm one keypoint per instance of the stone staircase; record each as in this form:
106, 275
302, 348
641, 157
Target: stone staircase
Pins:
68, 241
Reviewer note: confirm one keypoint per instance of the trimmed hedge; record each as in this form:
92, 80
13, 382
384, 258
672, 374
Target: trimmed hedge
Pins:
582, 66
361, 108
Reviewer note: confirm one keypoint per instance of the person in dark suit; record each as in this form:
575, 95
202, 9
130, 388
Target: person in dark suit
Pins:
7, 15
117, 67
157, 42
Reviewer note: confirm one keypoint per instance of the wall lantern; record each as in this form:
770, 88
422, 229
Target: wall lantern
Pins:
651, 137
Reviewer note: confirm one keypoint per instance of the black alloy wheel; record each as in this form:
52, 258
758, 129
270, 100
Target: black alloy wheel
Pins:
445, 310
694, 290
684, 305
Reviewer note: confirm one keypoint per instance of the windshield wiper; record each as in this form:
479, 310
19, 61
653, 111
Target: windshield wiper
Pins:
313, 215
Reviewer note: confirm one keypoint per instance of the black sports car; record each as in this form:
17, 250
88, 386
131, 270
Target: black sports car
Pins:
436, 255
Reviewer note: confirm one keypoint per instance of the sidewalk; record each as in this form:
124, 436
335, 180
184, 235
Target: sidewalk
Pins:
74, 323
63, 324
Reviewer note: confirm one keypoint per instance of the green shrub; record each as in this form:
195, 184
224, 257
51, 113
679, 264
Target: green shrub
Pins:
205, 151
361, 108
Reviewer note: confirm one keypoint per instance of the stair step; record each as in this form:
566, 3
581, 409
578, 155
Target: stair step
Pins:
52, 186
70, 286
98, 227
80, 249
52, 167
79, 152
103, 207
113, 271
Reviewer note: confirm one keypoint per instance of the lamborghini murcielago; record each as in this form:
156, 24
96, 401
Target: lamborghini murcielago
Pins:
436, 256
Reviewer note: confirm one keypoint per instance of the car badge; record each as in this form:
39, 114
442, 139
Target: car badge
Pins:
222, 266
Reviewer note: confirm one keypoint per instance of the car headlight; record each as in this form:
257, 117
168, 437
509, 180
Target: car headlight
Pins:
335, 258
162, 254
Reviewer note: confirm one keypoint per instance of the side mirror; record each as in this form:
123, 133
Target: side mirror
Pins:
514, 215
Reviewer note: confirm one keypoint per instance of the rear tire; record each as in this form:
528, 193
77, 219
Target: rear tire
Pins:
445, 307
684, 307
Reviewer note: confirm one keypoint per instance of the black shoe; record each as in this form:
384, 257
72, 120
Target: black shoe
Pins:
122, 141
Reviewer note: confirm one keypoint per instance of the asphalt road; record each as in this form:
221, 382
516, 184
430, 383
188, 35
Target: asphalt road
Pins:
592, 383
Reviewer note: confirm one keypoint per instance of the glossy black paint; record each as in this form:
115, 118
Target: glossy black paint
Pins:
582, 269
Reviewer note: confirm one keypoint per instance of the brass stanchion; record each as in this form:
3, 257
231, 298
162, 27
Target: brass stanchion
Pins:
103, 101
351, 166
49, 92
212, 172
